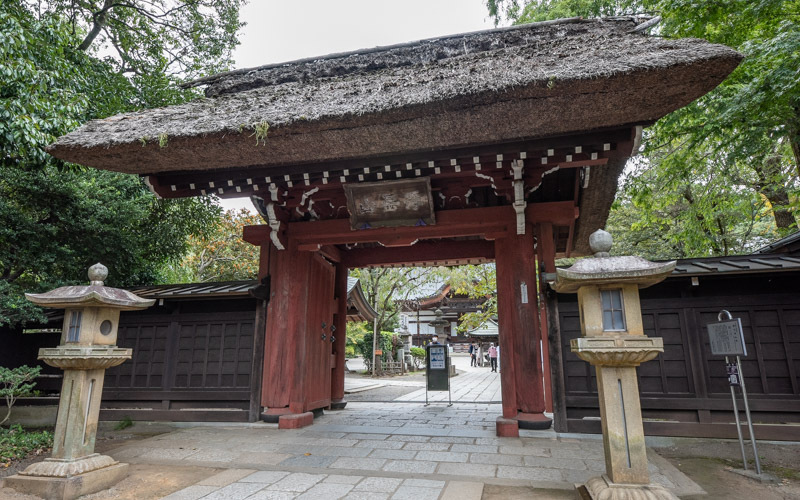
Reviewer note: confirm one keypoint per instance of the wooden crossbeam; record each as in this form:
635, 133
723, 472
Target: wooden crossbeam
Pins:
489, 223
421, 254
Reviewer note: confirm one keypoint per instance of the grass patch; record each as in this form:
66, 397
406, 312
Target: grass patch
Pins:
16, 443
124, 424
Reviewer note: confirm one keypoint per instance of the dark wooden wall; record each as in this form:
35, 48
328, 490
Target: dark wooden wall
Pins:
192, 361
684, 391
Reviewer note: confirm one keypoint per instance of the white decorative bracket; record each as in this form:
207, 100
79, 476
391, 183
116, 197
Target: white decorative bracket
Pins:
275, 226
519, 195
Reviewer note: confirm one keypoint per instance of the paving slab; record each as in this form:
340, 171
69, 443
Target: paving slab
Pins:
339, 458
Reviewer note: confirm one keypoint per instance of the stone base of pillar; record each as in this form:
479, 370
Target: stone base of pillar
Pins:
59, 467
338, 404
601, 487
507, 427
68, 488
533, 421
295, 420
271, 415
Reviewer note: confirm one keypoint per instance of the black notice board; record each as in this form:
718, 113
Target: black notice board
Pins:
437, 363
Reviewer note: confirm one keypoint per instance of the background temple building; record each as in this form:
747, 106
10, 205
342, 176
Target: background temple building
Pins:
418, 312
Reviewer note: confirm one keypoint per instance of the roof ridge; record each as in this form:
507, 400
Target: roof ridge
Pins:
218, 77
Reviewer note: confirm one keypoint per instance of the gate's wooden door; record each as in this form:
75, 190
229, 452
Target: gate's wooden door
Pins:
320, 319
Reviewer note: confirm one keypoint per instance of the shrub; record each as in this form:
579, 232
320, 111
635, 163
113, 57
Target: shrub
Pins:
16, 443
15, 382
418, 356
364, 346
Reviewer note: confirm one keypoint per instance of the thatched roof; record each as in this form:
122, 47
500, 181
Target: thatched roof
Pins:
531, 81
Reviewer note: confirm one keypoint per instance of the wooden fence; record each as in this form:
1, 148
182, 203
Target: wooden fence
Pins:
684, 391
186, 366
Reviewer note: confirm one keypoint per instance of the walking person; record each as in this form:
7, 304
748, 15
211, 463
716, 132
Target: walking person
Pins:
473, 355
493, 356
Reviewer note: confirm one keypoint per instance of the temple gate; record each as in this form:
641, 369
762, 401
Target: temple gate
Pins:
502, 145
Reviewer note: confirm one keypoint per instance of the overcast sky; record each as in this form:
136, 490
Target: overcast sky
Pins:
280, 31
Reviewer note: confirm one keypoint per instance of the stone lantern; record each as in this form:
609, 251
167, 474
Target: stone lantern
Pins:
439, 323
614, 342
87, 348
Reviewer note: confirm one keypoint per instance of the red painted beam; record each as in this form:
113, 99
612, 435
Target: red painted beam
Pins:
422, 253
492, 221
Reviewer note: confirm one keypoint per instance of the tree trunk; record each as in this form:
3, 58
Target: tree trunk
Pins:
794, 141
99, 21
775, 191
779, 198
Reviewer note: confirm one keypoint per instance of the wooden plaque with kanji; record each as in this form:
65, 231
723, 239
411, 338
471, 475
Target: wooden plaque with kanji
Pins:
390, 203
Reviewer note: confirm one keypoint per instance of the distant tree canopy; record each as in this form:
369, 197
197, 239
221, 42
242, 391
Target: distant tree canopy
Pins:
65, 62
385, 287
719, 176
219, 253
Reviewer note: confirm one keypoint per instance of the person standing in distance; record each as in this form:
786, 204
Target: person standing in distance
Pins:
493, 356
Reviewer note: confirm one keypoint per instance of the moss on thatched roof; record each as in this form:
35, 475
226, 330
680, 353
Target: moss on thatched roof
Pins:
501, 85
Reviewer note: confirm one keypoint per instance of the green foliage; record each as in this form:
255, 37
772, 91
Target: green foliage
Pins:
15, 382
153, 38
55, 223
260, 131
477, 282
17, 443
218, 253
719, 176
384, 287
124, 424
418, 357
56, 219
364, 346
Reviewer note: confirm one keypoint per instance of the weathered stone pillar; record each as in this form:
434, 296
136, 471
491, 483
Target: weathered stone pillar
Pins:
614, 343
87, 348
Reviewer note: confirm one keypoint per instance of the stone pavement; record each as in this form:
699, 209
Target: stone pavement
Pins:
381, 451
471, 385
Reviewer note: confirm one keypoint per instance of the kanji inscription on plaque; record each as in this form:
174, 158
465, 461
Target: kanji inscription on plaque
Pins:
390, 203
726, 338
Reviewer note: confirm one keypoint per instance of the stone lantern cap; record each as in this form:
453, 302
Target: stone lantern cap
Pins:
604, 269
439, 321
93, 295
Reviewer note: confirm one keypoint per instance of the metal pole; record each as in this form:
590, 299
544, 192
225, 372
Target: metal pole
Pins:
374, 340
738, 425
427, 371
747, 412
449, 396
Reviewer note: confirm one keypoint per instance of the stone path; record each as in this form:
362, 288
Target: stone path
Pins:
472, 385
380, 451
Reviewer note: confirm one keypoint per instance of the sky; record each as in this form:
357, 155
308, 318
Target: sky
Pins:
280, 31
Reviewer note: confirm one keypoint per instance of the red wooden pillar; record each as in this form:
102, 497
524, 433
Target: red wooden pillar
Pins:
340, 321
546, 256
284, 348
520, 335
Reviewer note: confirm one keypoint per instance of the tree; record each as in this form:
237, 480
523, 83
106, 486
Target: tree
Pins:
220, 254
55, 223
727, 163
57, 219
476, 282
385, 286
15, 382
